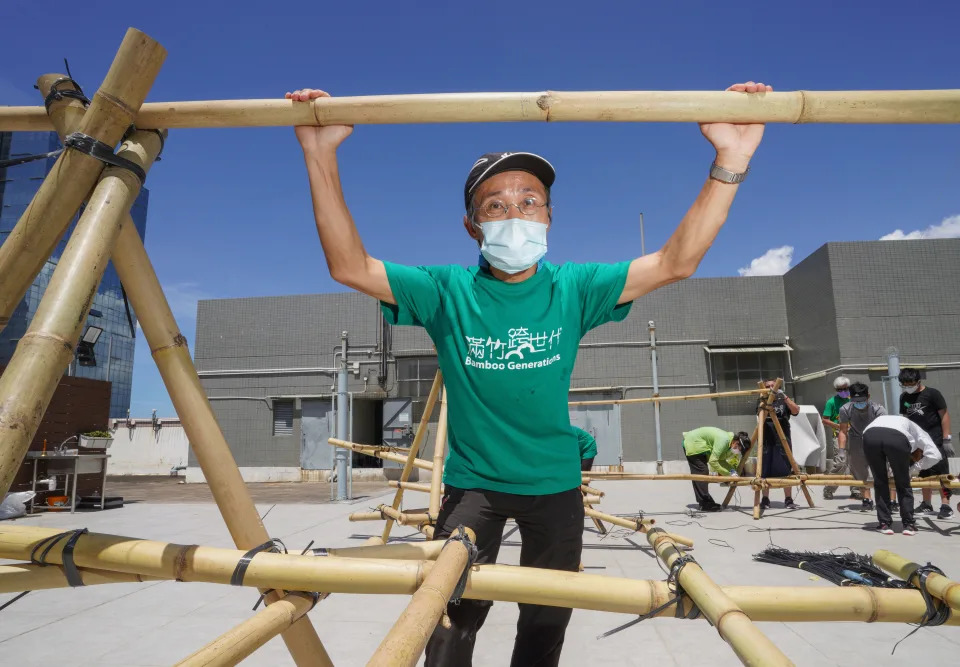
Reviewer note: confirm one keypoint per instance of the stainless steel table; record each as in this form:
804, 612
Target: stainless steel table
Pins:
67, 465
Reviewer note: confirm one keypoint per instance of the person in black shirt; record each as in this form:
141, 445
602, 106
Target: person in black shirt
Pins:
775, 461
926, 407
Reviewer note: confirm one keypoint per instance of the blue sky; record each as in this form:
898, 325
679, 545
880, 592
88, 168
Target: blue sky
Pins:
230, 212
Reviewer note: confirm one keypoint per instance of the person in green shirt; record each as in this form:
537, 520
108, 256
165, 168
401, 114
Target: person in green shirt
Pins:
507, 332
836, 457
709, 449
588, 448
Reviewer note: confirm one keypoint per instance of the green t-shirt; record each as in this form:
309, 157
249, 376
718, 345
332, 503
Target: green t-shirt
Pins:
588, 444
507, 351
831, 410
716, 442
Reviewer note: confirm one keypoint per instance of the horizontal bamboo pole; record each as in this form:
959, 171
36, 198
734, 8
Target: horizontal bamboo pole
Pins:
406, 640
386, 456
504, 583
751, 646
592, 491
21, 577
639, 525
241, 641
668, 399
937, 585
426, 550
410, 486
859, 106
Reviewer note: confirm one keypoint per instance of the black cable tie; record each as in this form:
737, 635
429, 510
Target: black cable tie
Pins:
460, 535
11, 601
24, 159
57, 94
273, 546
69, 566
101, 151
938, 611
134, 128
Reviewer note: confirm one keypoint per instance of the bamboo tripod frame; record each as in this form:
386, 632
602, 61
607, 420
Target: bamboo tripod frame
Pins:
105, 231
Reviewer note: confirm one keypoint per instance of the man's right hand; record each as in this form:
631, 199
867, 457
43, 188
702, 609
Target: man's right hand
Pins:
315, 138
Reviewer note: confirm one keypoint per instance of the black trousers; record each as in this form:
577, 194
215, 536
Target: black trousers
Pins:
940, 468
701, 490
551, 533
882, 446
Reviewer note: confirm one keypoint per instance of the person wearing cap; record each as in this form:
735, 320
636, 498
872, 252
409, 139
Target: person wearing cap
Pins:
713, 450
898, 443
927, 408
775, 462
507, 332
836, 457
854, 417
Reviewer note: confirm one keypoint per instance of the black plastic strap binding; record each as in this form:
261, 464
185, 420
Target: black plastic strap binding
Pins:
101, 151
69, 566
272, 546
460, 535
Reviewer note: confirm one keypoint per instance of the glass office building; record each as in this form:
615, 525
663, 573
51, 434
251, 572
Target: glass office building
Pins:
110, 312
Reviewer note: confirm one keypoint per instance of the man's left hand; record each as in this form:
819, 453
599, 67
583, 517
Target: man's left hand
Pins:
735, 143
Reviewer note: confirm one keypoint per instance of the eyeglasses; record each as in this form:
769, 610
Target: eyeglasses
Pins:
497, 209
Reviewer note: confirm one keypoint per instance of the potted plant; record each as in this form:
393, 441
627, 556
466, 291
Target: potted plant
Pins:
96, 439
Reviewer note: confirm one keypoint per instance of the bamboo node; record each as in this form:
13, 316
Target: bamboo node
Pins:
874, 604
49, 336
180, 562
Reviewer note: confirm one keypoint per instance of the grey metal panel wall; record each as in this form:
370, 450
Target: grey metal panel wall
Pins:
812, 313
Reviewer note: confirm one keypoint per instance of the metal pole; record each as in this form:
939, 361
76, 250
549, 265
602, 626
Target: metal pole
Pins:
656, 394
891, 383
643, 245
343, 410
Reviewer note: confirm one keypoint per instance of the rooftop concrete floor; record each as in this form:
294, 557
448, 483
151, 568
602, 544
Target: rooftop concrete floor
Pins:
163, 622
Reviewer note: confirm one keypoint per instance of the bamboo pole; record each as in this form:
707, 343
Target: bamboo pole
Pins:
112, 109
414, 449
241, 641
408, 637
591, 500
386, 456
427, 550
410, 486
47, 348
170, 351
592, 491
639, 525
667, 399
936, 584
505, 583
751, 646
742, 465
857, 106
20, 577
761, 417
439, 452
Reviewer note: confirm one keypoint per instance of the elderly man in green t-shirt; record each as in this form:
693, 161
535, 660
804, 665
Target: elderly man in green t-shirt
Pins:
709, 449
507, 333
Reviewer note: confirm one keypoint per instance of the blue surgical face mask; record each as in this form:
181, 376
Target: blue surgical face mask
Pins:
860, 405
513, 245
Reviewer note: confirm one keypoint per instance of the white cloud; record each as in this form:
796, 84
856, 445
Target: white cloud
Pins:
773, 262
949, 228
183, 298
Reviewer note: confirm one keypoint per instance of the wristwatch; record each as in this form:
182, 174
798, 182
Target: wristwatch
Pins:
718, 173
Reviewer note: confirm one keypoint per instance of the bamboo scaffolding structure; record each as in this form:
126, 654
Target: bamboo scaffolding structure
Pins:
937, 585
639, 525
45, 351
414, 450
592, 491
386, 456
591, 500
241, 641
667, 399
426, 550
410, 486
439, 452
857, 106
751, 646
789, 452
408, 637
170, 351
742, 464
112, 109
20, 577
761, 416
505, 583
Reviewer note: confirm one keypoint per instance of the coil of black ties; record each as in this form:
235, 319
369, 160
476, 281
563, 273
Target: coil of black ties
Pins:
938, 611
673, 584
460, 535
275, 546
69, 566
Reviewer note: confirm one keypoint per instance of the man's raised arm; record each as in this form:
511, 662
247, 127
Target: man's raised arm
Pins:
680, 256
347, 260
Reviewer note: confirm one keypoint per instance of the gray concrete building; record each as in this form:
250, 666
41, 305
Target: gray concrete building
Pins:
268, 364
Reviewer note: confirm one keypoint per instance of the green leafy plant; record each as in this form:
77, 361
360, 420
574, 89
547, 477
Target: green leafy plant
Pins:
98, 434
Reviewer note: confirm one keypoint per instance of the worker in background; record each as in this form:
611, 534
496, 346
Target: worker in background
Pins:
709, 449
588, 448
926, 407
775, 461
854, 417
898, 442
836, 463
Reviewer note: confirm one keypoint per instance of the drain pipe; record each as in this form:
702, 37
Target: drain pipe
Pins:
343, 410
891, 383
656, 394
